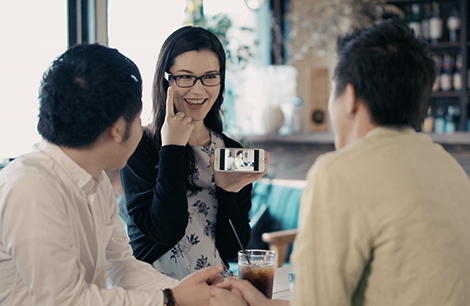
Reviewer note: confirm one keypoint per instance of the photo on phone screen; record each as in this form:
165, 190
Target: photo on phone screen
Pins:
239, 159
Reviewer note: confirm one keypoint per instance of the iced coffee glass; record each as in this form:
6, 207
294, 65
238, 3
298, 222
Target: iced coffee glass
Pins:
257, 266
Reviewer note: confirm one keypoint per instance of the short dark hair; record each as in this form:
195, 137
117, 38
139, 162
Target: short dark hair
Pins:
391, 71
84, 91
185, 39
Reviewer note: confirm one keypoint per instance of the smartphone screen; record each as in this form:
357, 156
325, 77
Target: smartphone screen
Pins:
238, 159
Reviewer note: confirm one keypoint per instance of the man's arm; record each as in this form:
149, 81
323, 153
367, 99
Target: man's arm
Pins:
37, 232
123, 269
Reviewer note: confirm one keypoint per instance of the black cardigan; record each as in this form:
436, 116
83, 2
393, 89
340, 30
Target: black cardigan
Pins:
154, 185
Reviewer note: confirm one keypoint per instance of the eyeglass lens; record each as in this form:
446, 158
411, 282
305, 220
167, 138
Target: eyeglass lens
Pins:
190, 80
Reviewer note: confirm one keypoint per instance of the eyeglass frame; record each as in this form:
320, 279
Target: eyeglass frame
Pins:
168, 76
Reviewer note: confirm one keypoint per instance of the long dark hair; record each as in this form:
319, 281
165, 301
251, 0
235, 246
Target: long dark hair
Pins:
183, 40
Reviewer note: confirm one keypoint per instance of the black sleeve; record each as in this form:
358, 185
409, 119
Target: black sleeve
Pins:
236, 207
154, 186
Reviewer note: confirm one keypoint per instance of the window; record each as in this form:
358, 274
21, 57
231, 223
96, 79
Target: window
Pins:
139, 30
33, 34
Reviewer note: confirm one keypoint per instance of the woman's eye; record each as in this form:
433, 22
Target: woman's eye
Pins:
185, 77
210, 76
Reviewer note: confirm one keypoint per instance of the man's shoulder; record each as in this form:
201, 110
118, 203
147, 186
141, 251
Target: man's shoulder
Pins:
35, 164
28, 172
380, 144
332, 159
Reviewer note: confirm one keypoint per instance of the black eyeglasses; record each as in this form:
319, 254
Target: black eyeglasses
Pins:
186, 81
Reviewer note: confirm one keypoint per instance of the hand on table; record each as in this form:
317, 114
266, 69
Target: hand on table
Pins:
195, 289
250, 294
226, 297
235, 181
177, 127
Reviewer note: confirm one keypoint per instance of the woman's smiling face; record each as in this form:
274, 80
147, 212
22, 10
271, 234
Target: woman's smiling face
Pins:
195, 101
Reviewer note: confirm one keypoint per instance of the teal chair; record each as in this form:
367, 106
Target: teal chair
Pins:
275, 215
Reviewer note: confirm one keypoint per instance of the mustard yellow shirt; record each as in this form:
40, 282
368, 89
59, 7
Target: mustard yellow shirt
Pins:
384, 221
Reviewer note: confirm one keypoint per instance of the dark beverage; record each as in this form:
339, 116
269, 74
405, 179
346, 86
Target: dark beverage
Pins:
260, 275
257, 267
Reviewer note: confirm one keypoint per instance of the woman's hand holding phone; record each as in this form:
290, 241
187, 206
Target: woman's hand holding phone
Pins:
177, 127
235, 181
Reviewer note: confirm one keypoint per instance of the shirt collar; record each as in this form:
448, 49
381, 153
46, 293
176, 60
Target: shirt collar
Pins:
389, 130
379, 132
80, 177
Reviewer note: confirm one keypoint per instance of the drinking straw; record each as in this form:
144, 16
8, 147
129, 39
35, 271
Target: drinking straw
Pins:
239, 242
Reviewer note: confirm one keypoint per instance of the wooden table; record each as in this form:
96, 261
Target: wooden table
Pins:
281, 289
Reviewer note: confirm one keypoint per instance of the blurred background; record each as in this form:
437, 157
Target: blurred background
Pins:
280, 62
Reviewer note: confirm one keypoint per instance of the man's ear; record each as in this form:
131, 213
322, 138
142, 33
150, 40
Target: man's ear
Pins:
352, 103
117, 130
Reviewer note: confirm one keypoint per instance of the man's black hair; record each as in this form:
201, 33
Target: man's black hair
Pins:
391, 71
85, 90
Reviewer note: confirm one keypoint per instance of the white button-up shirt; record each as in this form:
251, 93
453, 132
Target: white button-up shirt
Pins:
62, 241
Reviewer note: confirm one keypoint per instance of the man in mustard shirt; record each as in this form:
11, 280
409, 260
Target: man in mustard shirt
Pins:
385, 219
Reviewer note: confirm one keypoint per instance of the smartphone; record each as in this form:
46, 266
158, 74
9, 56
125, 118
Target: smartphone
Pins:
239, 160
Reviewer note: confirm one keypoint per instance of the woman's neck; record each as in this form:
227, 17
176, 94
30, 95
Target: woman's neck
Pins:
200, 136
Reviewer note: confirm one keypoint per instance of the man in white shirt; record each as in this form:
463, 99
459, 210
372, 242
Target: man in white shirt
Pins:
61, 239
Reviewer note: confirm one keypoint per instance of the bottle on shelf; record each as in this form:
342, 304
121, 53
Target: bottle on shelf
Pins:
428, 124
468, 85
297, 116
456, 118
439, 122
407, 14
425, 21
468, 74
449, 124
447, 72
457, 77
468, 119
435, 24
453, 24
415, 20
438, 63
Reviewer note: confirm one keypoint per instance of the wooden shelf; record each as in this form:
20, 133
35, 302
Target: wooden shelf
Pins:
446, 94
298, 138
407, 1
457, 138
327, 138
446, 45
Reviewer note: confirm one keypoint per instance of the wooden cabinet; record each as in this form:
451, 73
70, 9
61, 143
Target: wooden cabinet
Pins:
445, 97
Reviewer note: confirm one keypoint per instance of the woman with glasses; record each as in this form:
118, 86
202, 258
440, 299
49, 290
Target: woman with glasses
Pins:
179, 208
